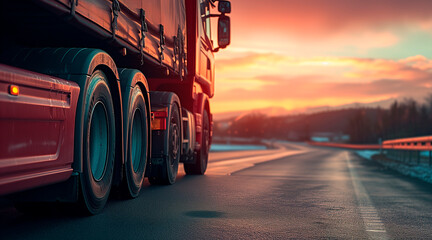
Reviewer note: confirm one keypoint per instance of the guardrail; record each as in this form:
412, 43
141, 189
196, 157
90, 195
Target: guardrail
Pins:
417, 150
416, 143
348, 146
413, 151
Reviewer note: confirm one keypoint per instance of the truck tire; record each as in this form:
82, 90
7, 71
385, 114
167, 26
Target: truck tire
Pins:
200, 165
167, 172
137, 149
99, 143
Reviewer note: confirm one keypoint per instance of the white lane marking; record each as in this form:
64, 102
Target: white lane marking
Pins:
226, 156
227, 167
374, 226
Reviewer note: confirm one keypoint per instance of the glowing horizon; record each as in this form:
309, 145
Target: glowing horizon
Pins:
302, 54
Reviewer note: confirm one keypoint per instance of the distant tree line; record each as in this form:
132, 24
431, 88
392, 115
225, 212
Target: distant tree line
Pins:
261, 126
249, 126
405, 118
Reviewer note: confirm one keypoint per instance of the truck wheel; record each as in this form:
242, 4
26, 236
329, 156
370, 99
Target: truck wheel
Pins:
200, 165
167, 172
137, 149
99, 142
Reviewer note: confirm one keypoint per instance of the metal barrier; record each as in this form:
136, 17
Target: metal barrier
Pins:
348, 146
417, 150
413, 151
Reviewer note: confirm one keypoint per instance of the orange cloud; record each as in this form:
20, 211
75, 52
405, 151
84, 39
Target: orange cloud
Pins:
341, 80
415, 67
253, 61
411, 68
308, 87
317, 17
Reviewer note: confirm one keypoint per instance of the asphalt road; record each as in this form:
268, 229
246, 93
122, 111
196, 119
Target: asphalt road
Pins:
293, 192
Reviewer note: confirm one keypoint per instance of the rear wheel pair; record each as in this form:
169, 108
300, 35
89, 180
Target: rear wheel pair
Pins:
99, 144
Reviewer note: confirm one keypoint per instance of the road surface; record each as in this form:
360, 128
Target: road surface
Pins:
291, 192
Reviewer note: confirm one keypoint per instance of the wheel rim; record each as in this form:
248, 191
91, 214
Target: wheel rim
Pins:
98, 140
137, 140
174, 142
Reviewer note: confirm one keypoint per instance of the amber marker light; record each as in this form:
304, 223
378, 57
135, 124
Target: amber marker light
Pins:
159, 119
13, 90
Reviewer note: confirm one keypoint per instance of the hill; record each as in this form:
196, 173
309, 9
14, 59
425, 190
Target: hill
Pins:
291, 127
407, 118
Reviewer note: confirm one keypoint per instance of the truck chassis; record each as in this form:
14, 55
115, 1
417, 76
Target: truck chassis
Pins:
99, 94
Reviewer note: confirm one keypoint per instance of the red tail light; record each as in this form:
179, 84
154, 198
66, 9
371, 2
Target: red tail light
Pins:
159, 119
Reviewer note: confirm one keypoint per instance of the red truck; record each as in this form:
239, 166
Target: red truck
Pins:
98, 94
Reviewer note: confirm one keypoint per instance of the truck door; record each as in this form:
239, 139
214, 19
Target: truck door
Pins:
205, 64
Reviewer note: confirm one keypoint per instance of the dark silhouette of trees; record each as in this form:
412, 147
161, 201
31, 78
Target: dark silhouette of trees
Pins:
360, 127
252, 125
405, 118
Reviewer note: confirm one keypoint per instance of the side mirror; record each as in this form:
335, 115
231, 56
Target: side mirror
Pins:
224, 31
224, 6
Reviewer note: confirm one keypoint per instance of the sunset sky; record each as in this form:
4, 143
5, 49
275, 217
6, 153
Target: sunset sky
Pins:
306, 53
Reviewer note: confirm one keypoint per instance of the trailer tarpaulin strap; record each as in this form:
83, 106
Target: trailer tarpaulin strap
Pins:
162, 42
115, 12
179, 51
144, 29
74, 4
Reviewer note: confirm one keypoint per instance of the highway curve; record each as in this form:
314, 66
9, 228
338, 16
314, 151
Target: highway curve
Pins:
291, 192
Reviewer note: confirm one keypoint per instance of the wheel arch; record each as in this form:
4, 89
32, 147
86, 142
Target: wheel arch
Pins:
73, 64
129, 78
83, 63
